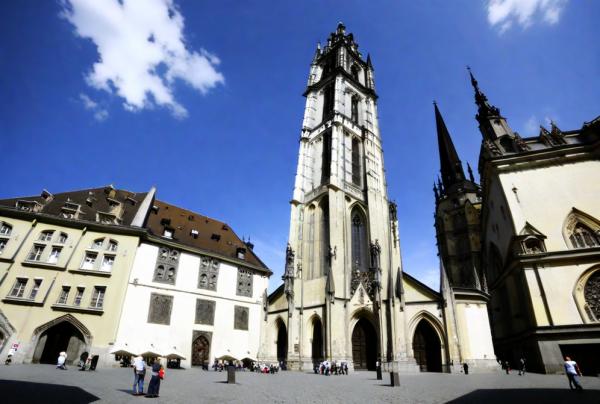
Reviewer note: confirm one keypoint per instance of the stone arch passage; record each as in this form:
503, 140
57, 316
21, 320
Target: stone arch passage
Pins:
427, 348
62, 336
282, 342
317, 341
364, 345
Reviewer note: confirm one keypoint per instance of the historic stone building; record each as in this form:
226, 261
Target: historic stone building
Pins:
64, 263
540, 240
105, 270
195, 290
345, 296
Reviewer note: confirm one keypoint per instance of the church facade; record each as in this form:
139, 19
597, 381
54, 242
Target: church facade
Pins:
540, 240
345, 296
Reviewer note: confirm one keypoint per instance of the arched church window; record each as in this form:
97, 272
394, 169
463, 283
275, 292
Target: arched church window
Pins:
354, 109
591, 294
356, 161
359, 241
583, 237
354, 70
326, 160
328, 99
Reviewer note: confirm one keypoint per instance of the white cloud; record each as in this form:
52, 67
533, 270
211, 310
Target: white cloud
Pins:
504, 13
142, 51
532, 125
100, 113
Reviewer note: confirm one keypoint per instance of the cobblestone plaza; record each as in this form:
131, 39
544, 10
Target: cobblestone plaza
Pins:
44, 383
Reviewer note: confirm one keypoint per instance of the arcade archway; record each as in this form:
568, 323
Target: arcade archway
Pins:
60, 337
364, 345
427, 347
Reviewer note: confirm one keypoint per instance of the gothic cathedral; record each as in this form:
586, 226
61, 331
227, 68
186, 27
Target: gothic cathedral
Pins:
345, 296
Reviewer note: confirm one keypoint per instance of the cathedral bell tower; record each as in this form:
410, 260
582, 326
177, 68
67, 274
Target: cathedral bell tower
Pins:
343, 258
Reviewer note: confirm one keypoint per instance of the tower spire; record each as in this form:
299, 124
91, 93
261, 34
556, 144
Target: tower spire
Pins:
450, 165
485, 108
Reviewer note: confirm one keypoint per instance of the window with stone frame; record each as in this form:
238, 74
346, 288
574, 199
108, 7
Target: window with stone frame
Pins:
591, 293
209, 273
240, 319
584, 237
64, 295
167, 263
160, 308
19, 287
205, 312
244, 282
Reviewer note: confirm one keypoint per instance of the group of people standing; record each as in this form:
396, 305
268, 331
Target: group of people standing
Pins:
331, 368
139, 372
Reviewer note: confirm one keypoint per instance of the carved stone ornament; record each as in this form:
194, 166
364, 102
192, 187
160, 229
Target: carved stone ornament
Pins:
364, 278
288, 276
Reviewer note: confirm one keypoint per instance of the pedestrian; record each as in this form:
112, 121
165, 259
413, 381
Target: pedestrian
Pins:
573, 373
522, 367
154, 386
466, 368
139, 372
11, 352
507, 367
83, 360
61, 362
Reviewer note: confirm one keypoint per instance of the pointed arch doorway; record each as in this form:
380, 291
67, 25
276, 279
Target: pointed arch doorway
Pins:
282, 342
364, 345
427, 347
200, 351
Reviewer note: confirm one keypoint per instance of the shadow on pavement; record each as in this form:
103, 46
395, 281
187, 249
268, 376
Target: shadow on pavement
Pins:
18, 392
546, 396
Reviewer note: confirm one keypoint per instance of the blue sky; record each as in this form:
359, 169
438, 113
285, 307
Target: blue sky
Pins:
210, 109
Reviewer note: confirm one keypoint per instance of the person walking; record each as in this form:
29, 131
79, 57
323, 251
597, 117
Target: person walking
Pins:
466, 368
507, 367
154, 386
62, 359
522, 367
139, 372
573, 373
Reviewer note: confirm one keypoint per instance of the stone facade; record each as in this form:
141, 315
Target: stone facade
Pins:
540, 240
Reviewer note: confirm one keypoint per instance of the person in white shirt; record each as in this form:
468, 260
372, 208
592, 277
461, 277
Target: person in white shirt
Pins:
572, 371
139, 371
62, 358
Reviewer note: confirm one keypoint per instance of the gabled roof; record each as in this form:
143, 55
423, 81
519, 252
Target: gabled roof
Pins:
420, 285
212, 235
91, 201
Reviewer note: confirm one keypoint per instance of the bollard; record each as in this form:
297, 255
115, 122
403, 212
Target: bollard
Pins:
231, 374
394, 379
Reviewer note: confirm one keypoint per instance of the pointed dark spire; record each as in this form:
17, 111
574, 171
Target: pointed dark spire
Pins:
450, 165
435, 191
470, 170
485, 108
369, 64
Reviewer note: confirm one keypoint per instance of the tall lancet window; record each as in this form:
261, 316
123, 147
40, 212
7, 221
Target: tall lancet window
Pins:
356, 175
326, 162
354, 70
354, 109
583, 237
328, 99
310, 240
324, 236
359, 241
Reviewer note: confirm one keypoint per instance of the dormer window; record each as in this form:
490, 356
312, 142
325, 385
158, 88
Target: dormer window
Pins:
168, 233
5, 229
194, 233
97, 244
533, 245
215, 237
241, 253
28, 206
106, 218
